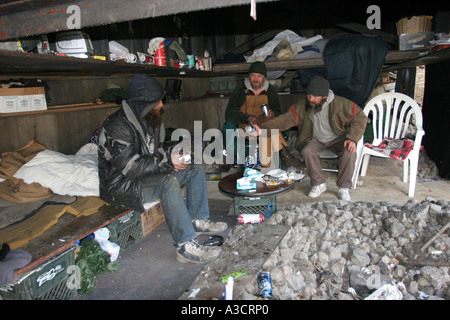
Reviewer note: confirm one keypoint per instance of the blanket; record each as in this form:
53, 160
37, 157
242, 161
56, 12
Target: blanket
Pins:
395, 148
15, 189
73, 175
11, 213
296, 42
18, 235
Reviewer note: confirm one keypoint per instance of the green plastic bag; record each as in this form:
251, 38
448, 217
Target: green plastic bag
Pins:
92, 261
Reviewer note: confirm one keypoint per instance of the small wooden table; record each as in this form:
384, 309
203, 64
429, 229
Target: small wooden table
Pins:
259, 200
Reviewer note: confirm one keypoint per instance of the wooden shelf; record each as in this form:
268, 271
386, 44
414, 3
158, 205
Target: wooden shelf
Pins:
394, 60
31, 64
62, 108
41, 65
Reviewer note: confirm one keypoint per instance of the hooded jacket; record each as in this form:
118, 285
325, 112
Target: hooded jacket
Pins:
125, 161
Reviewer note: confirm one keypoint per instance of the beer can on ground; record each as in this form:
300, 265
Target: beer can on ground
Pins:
265, 285
250, 218
265, 110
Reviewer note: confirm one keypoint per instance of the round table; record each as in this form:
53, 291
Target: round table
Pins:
253, 200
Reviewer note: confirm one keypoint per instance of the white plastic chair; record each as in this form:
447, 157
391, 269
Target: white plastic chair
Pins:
328, 155
391, 115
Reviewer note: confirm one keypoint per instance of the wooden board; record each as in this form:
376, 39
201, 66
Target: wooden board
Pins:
65, 233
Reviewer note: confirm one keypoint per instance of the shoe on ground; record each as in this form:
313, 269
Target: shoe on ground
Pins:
192, 251
317, 190
206, 226
344, 194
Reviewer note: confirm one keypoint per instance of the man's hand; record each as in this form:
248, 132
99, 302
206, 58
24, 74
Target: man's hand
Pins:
270, 114
178, 164
252, 120
257, 131
351, 146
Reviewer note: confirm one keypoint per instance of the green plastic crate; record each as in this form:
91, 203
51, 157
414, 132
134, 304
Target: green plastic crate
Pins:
126, 230
255, 205
48, 281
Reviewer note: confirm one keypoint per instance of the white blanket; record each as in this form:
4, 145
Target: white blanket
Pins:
74, 175
294, 39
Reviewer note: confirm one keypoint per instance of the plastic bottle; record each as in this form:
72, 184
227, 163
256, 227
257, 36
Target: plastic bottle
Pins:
118, 49
228, 291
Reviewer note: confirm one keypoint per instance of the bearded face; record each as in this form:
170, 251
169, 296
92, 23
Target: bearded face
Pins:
154, 117
315, 102
256, 81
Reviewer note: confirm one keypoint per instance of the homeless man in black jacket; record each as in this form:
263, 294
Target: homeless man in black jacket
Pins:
136, 168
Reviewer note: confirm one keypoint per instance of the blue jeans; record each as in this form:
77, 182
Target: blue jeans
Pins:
167, 188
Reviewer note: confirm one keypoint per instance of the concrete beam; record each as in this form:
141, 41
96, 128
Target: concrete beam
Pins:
26, 18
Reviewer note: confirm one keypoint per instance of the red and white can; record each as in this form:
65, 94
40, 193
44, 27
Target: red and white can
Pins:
250, 218
146, 58
160, 55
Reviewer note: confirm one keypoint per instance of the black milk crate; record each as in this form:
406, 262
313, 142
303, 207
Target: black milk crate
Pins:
255, 205
126, 230
52, 280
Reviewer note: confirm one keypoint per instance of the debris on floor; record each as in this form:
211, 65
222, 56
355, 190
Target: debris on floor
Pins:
337, 250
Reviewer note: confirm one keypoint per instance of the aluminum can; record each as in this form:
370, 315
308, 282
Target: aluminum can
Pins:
250, 129
265, 285
265, 110
250, 218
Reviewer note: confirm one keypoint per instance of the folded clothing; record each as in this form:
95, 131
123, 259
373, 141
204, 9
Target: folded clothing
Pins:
15, 259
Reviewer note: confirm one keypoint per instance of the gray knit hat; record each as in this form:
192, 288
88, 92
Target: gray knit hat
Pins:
258, 67
318, 86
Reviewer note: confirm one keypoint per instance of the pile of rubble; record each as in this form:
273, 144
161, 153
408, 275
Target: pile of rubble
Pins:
347, 250
427, 168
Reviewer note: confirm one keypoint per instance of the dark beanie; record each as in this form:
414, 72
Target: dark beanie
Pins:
318, 86
258, 67
144, 93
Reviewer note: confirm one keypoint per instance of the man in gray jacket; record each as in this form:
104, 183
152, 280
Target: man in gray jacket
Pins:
324, 121
137, 168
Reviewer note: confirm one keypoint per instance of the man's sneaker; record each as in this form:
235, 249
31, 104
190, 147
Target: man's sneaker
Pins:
206, 226
317, 190
192, 251
344, 194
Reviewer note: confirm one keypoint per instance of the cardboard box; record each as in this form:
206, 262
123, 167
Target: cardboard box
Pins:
22, 99
414, 24
152, 218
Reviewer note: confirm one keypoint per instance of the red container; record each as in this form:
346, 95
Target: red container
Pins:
250, 218
160, 55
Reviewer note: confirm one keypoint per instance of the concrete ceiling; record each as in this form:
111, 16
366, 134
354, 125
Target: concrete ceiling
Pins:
22, 18
31, 17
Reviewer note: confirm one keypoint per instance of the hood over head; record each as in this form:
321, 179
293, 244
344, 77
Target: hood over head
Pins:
144, 93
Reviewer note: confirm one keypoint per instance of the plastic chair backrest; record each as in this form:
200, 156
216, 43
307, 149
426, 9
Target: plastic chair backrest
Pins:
391, 115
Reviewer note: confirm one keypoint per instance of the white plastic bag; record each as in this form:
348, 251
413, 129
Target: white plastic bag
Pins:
386, 292
102, 236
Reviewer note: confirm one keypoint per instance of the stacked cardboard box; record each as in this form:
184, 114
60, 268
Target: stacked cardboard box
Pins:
22, 99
